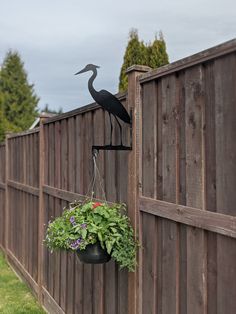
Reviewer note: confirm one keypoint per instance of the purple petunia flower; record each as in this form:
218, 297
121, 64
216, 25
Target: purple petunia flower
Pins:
72, 220
76, 244
83, 226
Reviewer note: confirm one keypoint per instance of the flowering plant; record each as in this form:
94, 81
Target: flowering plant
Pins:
87, 223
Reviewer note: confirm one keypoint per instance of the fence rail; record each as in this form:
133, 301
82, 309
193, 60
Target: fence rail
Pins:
178, 181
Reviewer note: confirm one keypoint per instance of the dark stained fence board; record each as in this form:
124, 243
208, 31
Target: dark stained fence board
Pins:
210, 155
181, 187
71, 187
98, 275
57, 204
110, 271
64, 171
79, 267
2, 194
122, 187
196, 242
50, 206
87, 176
225, 117
149, 161
149, 273
170, 237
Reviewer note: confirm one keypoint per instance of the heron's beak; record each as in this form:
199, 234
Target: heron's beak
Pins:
82, 71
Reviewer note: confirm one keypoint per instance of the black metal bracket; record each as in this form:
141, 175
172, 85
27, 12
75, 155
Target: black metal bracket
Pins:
97, 148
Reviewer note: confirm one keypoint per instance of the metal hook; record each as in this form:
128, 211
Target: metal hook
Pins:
95, 152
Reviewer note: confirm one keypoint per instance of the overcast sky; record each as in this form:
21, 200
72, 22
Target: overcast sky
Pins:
57, 38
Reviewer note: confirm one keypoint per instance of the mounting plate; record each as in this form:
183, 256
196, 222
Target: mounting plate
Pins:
111, 147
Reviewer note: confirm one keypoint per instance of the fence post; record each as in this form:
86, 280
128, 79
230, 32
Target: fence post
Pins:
134, 101
41, 211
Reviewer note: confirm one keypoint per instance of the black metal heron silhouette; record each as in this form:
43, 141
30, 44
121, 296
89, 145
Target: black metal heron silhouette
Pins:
107, 101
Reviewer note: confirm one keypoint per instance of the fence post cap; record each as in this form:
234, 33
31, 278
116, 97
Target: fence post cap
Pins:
138, 68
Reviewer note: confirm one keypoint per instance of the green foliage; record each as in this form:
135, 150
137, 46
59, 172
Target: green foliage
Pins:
87, 223
156, 53
135, 54
153, 55
18, 101
15, 296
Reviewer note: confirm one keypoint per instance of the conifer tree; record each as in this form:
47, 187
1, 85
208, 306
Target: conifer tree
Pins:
135, 54
153, 55
18, 101
157, 54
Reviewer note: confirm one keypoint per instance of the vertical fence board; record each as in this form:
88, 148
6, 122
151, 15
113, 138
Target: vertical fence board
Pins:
45, 204
110, 189
71, 187
87, 175
210, 146
57, 204
122, 186
225, 100
181, 191
64, 175
51, 179
196, 259
149, 152
78, 306
98, 139
169, 229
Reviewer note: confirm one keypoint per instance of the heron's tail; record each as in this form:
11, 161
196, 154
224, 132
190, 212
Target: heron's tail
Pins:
126, 118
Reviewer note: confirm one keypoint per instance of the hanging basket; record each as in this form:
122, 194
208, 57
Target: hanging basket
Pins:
93, 254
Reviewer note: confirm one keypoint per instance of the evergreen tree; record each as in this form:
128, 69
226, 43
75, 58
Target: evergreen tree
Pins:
153, 55
18, 101
135, 54
3, 125
157, 54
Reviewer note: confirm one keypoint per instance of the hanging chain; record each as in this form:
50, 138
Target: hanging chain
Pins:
96, 177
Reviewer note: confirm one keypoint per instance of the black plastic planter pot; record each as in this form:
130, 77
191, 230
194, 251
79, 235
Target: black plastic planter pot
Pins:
94, 254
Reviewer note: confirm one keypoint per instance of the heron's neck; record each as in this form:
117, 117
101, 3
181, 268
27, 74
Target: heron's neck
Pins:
92, 90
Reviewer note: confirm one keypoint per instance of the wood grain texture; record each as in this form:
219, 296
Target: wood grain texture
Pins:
196, 242
225, 118
215, 222
134, 105
210, 146
2, 194
170, 237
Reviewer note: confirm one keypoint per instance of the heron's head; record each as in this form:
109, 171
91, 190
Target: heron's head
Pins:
89, 67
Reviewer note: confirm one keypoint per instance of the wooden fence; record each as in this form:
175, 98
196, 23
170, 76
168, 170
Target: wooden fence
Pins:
178, 181
2, 196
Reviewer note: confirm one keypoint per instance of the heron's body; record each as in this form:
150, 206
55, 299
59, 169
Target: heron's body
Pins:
106, 100
111, 104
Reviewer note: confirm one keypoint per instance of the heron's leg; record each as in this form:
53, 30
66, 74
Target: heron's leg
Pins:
111, 129
120, 130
